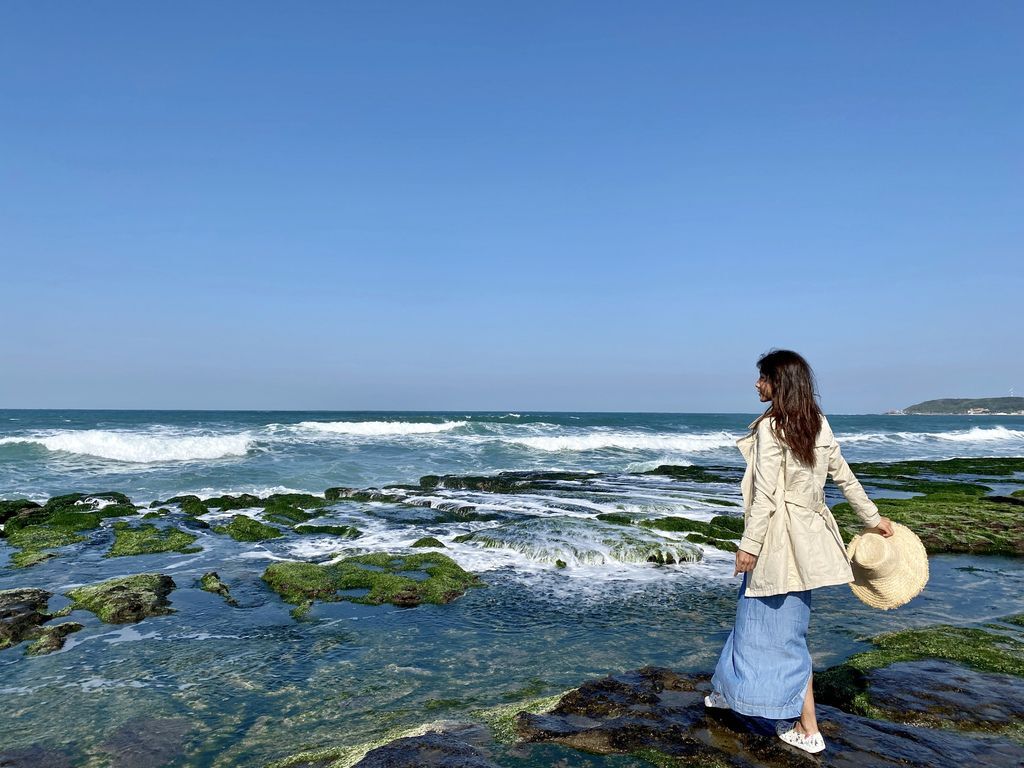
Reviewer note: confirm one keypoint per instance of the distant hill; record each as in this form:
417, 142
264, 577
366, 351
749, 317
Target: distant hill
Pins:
966, 406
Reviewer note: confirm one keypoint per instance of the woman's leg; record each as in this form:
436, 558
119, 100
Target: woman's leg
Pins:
808, 723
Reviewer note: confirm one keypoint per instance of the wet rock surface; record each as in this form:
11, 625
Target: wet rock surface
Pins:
656, 709
21, 612
442, 750
126, 599
934, 692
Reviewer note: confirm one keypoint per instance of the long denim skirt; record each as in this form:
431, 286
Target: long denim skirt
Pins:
765, 666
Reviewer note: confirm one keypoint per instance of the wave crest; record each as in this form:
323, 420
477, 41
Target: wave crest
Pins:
140, 448
379, 428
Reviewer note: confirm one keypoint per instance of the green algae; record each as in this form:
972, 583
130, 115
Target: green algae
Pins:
210, 582
986, 467
228, 502
127, 598
149, 539
242, 528
846, 686
346, 531
428, 541
502, 482
379, 573
10, 507
285, 513
34, 540
950, 523
694, 472
502, 719
684, 524
720, 502
51, 638
724, 545
615, 518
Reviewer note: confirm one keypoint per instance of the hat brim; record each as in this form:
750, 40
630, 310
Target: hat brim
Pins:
906, 581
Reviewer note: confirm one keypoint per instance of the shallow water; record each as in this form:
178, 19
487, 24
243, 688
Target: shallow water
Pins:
213, 685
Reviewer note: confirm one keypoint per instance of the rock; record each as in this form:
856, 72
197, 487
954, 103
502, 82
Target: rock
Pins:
51, 638
22, 610
374, 579
37, 756
697, 474
347, 531
428, 541
502, 482
147, 742
149, 539
242, 528
432, 749
227, 502
10, 507
210, 582
126, 599
656, 712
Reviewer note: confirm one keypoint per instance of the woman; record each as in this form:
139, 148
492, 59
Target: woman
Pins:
791, 545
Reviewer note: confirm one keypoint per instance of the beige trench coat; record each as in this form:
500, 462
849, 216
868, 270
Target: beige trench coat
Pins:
786, 522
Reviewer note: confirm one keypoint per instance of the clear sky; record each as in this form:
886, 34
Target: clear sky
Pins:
523, 205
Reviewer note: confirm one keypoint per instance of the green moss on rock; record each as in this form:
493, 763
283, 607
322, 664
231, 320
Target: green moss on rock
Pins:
615, 518
242, 528
846, 687
708, 530
382, 575
126, 599
51, 638
285, 514
210, 582
345, 531
34, 542
428, 541
697, 474
149, 539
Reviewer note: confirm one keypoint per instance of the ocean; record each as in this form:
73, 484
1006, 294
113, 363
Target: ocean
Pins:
214, 685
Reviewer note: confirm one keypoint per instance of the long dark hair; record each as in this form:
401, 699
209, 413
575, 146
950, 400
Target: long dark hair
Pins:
794, 407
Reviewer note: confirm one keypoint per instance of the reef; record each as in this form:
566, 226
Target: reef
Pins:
242, 528
210, 582
345, 531
428, 541
374, 579
126, 599
149, 539
23, 616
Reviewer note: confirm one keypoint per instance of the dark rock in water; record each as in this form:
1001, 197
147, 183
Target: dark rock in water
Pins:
145, 742
502, 482
698, 474
431, 749
37, 757
243, 528
228, 502
21, 612
654, 711
10, 507
428, 541
126, 599
934, 692
51, 638
210, 582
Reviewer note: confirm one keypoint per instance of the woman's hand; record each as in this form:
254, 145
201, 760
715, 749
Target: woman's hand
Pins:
745, 562
884, 527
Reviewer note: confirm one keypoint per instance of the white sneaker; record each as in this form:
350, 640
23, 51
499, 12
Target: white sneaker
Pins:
716, 701
788, 733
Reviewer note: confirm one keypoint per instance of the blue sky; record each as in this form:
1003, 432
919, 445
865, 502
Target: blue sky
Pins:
572, 206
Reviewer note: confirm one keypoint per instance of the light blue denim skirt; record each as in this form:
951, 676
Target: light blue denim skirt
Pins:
765, 666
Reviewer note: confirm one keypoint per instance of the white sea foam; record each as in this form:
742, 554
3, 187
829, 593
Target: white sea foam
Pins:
378, 428
629, 441
139, 447
996, 434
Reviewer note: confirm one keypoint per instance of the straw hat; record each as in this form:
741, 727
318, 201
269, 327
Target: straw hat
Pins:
888, 572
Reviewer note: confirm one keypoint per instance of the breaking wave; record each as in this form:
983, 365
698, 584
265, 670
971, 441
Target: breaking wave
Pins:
139, 447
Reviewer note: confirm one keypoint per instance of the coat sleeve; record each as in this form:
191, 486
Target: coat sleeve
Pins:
767, 461
851, 487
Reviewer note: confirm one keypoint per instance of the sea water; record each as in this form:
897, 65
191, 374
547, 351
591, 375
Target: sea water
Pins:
216, 685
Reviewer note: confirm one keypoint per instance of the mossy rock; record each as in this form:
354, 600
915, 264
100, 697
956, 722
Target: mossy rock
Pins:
985, 467
74, 511
949, 523
242, 528
380, 574
10, 507
126, 599
429, 541
697, 474
36, 541
210, 582
285, 514
681, 524
51, 638
228, 502
720, 502
502, 482
149, 539
615, 518
726, 546
847, 685
345, 531
301, 500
